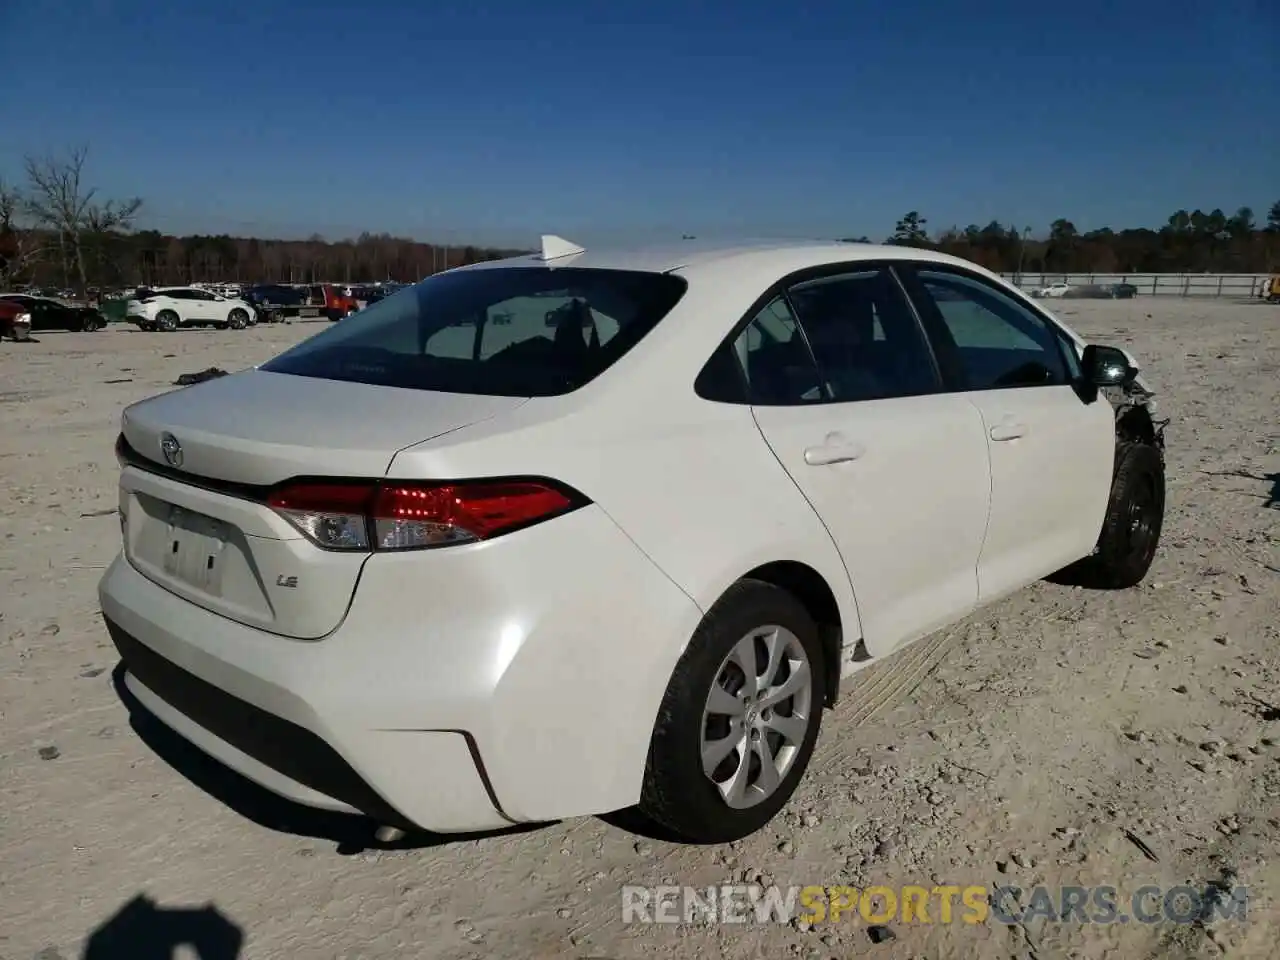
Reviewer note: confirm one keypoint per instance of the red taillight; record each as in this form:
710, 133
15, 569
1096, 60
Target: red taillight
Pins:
391, 515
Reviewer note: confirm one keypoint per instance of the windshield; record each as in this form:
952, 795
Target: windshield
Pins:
515, 332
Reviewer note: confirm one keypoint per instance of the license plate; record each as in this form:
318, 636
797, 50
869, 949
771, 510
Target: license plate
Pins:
193, 549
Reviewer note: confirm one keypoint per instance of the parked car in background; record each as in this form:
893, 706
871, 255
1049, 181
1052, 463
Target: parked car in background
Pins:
282, 302
49, 314
275, 301
169, 308
1059, 289
1123, 291
722, 480
369, 295
15, 322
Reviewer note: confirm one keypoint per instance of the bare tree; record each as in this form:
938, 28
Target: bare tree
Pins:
20, 248
62, 204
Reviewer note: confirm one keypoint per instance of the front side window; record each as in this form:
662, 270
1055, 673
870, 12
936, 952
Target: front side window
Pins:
864, 336
515, 331
998, 342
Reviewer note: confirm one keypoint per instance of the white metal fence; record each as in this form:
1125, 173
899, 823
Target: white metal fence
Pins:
1154, 284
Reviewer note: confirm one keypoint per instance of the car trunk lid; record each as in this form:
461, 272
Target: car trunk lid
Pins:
198, 463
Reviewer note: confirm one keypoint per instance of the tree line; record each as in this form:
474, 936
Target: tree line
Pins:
57, 230
1189, 242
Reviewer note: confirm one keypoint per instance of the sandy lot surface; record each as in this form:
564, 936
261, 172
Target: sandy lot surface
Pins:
1057, 734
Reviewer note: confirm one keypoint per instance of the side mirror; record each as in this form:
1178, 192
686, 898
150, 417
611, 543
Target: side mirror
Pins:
1106, 366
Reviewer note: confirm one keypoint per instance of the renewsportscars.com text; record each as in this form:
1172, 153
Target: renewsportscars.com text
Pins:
971, 904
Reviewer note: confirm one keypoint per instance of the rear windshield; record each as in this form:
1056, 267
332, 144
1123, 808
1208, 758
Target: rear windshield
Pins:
504, 331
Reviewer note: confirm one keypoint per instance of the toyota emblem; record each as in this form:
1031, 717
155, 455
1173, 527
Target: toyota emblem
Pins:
171, 449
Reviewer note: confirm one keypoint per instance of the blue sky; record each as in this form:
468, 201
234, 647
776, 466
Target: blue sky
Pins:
495, 121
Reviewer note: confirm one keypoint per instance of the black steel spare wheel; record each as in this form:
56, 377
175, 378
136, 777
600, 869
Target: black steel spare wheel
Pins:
1135, 517
740, 717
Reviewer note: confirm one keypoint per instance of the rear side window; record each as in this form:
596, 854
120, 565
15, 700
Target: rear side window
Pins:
514, 332
775, 360
864, 336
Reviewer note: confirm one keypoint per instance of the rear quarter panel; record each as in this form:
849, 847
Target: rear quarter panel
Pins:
692, 483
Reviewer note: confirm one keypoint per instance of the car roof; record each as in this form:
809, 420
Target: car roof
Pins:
687, 256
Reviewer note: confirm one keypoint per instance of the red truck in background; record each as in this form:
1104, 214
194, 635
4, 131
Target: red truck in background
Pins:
331, 301
276, 302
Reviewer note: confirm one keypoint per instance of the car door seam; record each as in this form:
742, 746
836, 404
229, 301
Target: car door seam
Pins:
853, 590
991, 491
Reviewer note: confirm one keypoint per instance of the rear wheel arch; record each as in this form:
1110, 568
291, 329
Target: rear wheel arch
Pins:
814, 593
679, 792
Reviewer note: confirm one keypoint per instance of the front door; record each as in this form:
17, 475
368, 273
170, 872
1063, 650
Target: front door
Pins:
1051, 446
845, 391
207, 308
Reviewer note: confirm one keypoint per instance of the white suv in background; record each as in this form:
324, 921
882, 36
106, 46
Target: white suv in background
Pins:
169, 308
560, 534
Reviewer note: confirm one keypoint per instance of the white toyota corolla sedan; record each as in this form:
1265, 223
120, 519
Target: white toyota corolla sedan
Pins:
586, 529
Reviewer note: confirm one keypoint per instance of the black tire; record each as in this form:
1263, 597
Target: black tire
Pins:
1134, 519
237, 319
167, 321
677, 794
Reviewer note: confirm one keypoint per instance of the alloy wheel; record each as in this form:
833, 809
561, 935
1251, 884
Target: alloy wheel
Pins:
756, 716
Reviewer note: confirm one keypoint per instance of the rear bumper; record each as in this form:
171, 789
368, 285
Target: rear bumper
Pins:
466, 689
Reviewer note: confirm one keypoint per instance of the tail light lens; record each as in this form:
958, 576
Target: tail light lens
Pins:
330, 515
390, 516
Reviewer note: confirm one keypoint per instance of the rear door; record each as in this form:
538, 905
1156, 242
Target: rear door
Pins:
1051, 446
181, 302
846, 392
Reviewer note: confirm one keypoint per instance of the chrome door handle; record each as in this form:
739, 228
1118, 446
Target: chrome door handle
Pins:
829, 453
1008, 431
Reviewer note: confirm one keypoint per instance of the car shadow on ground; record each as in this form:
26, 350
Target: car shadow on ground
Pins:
142, 930
1273, 495
350, 834
1081, 574
632, 820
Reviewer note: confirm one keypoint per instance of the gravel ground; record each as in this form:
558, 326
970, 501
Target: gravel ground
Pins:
1063, 736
